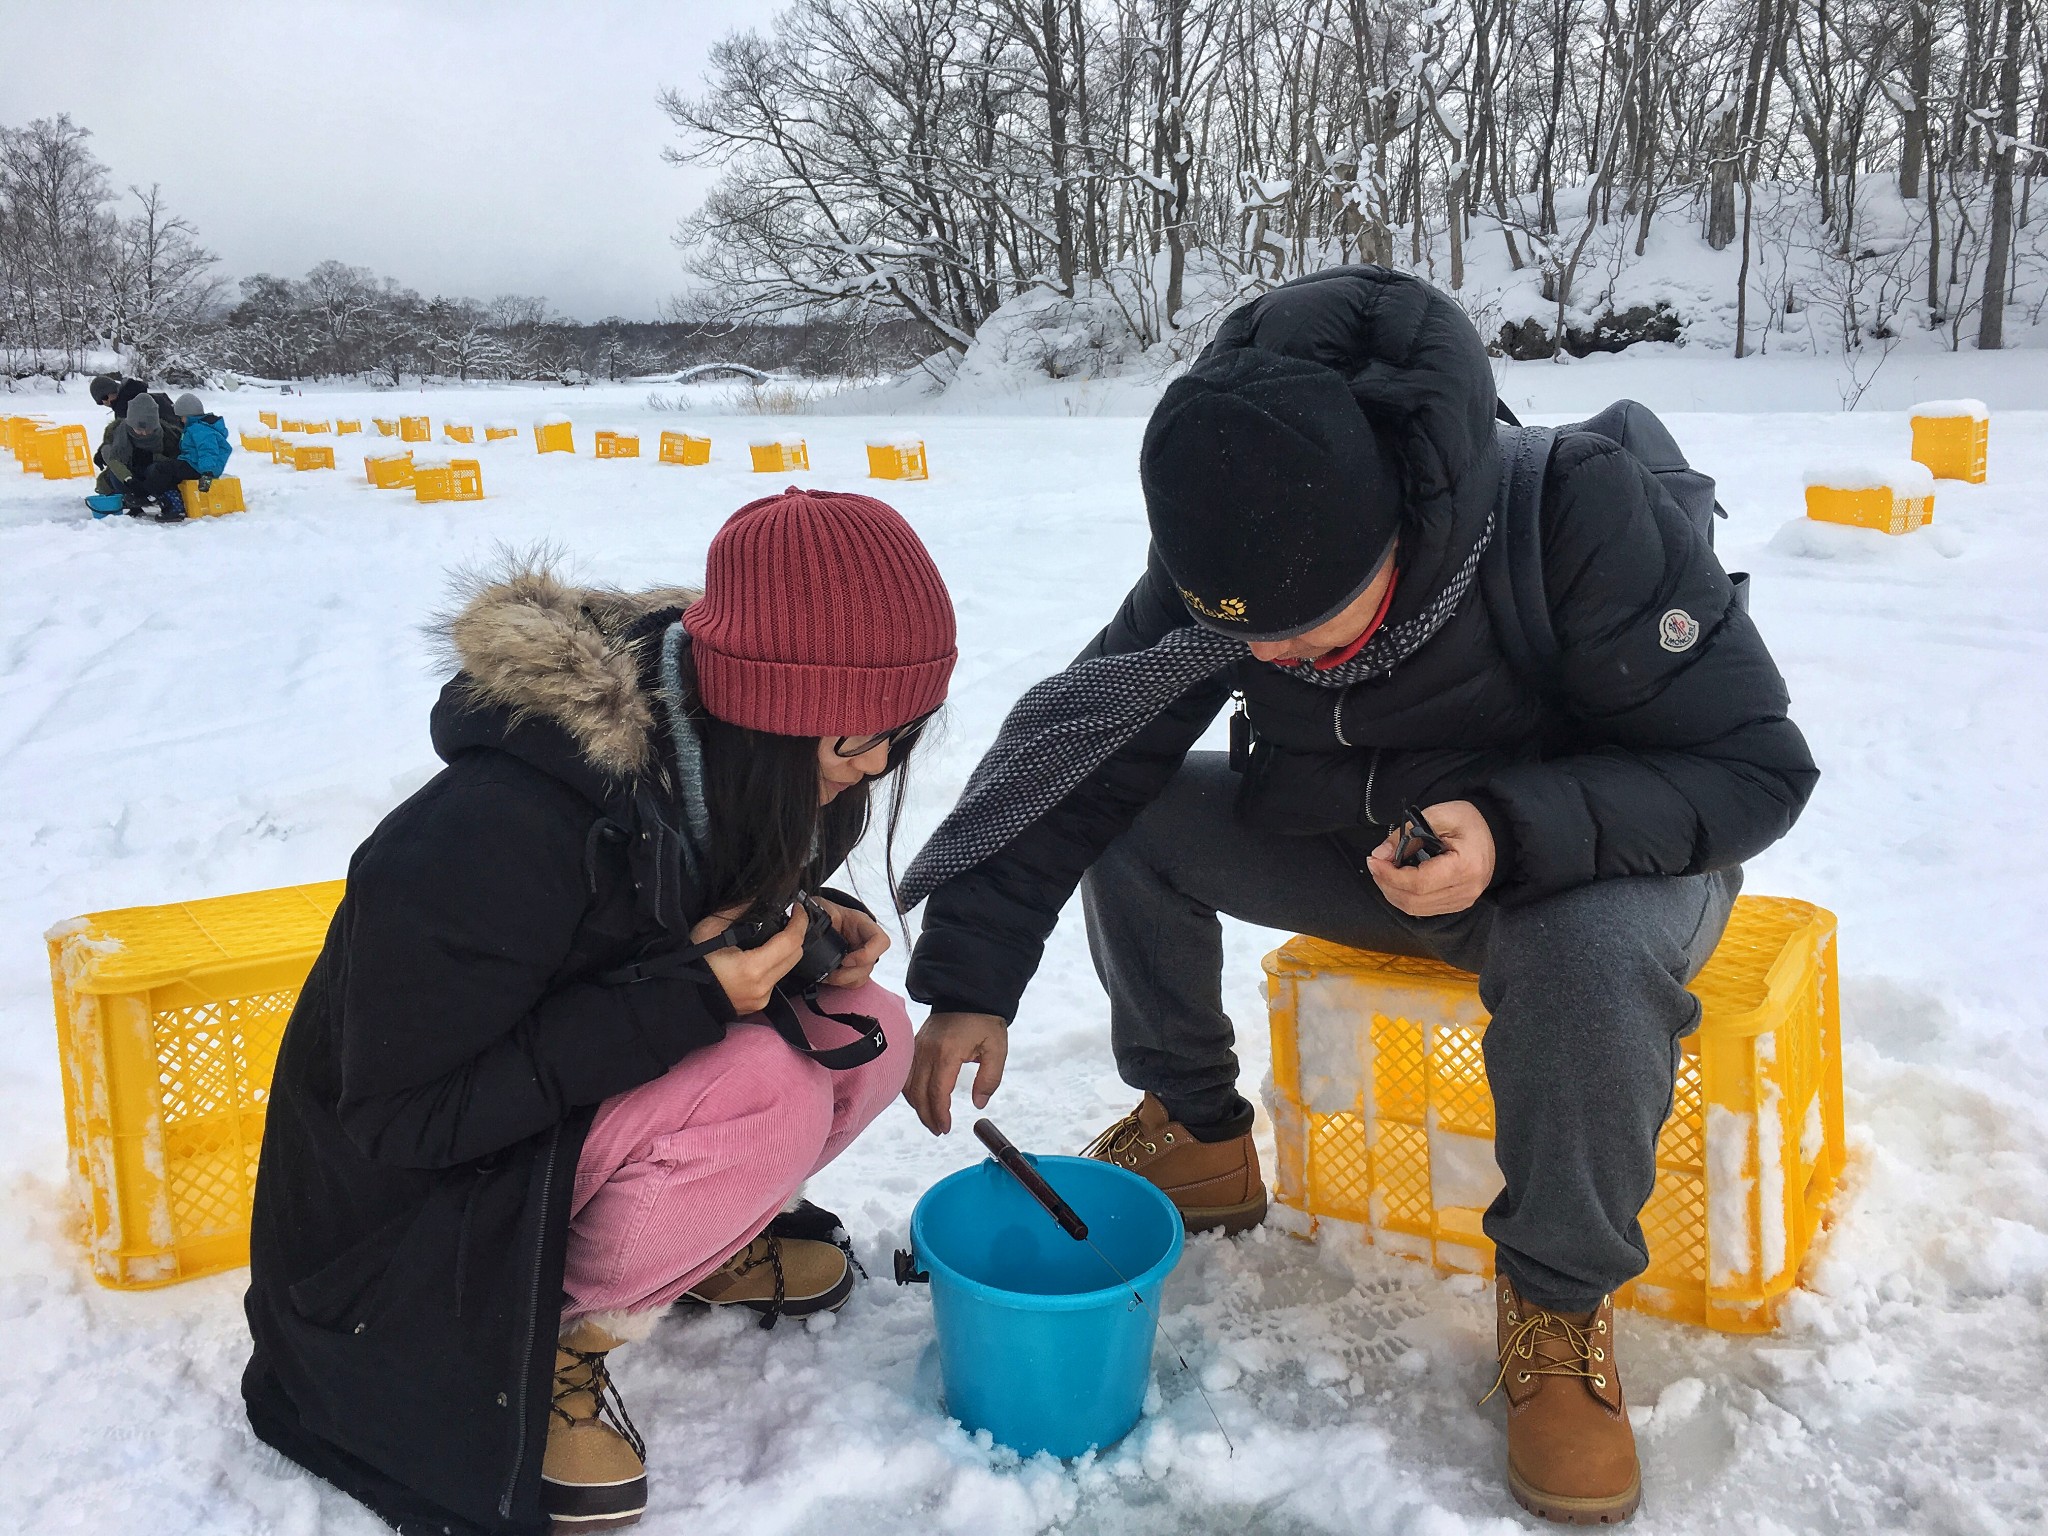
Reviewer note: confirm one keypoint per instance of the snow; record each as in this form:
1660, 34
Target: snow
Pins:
1976, 410
1906, 477
233, 704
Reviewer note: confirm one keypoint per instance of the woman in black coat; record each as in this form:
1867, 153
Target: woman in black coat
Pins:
555, 1067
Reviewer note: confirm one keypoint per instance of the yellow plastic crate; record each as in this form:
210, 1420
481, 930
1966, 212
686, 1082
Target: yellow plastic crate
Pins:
1896, 500
1382, 1114
385, 425
289, 424
269, 419
28, 443
64, 453
389, 471
897, 461
618, 445
223, 496
255, 442
773, 456
553, 437
415, 429
168, 1022
1953, 438
499, 434
681, 448
320, 427
312, 456
459, 431
457, 480
345, 426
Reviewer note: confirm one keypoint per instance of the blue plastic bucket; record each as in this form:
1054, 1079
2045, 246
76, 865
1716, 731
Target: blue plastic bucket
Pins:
1040, 1343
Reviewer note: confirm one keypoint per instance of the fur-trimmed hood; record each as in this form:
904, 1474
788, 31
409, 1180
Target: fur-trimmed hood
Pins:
532, 645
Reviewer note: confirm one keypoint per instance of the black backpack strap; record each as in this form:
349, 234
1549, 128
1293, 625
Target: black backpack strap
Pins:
1511, 570
780, 1012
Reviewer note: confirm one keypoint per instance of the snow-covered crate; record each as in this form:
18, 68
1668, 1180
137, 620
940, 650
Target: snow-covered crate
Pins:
222, 495
498, 431
901, 459
290, 424
1891, 498
390, 471
319, 427
168, 1021
312, 456
415, 429
554, 435
681, 448
1382, 1114
255, 442
269, 419
618, 445
386, 426
345, 425
776, 454
448, 480
458, 431
1952, 438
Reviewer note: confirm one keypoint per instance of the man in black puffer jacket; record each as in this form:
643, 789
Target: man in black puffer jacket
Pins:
1321, 489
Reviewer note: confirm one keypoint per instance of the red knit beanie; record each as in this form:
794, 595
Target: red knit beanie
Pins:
822, 615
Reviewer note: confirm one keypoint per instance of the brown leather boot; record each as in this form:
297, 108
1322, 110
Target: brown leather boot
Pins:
1216, 1184
779, 1277
1571, 1453
593, 1475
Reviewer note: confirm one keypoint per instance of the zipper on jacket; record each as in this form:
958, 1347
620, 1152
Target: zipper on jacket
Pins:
1337, 717
540, 1248
1372, 772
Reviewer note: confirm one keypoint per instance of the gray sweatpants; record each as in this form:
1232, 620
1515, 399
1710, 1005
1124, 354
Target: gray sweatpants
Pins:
1586, 990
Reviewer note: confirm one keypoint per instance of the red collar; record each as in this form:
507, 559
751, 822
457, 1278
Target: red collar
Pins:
1334, 659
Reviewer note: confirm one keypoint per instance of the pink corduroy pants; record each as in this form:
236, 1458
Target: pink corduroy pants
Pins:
681, 1173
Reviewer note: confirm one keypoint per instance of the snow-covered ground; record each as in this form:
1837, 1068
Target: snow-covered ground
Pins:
233, 704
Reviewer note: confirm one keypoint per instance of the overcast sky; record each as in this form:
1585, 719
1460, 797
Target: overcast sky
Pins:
460, 146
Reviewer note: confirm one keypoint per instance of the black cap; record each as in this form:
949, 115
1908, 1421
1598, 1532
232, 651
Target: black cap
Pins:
104, 387
1269, 497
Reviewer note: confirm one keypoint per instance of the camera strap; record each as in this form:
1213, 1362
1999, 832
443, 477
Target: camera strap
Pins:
780, 1012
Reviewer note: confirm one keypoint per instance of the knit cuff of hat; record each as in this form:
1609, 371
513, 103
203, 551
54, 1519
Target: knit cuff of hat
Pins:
794, 699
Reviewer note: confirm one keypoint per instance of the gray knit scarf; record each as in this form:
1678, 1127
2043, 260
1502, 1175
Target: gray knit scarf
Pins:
1067, 726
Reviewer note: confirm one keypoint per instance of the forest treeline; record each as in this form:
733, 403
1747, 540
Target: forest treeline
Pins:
86, 271
933, 158
893, 172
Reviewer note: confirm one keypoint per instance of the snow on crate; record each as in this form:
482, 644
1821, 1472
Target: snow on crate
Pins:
1976, 410
1893, 496
771, 454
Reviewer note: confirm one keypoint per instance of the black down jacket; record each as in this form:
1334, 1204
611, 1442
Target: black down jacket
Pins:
439, 1073
1629, 759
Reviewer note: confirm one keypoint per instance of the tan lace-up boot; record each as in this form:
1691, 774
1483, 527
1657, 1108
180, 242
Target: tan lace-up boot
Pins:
1571, 1453
1216, 1184
780, 1277
594, 1473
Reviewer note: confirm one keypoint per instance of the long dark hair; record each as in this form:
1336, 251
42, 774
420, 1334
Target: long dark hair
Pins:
770, 836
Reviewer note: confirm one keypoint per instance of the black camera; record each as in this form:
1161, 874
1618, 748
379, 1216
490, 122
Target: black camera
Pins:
824, 949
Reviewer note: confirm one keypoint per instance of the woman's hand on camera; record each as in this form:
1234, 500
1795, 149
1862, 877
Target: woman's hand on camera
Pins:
749, 975
867, 939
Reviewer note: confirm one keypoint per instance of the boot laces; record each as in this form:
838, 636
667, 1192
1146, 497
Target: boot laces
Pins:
1121, 1141
607, 1406
766, 1249
1583, 1356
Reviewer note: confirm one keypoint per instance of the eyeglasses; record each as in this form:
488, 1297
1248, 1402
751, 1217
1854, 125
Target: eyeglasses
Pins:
1415, 839
901, 736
